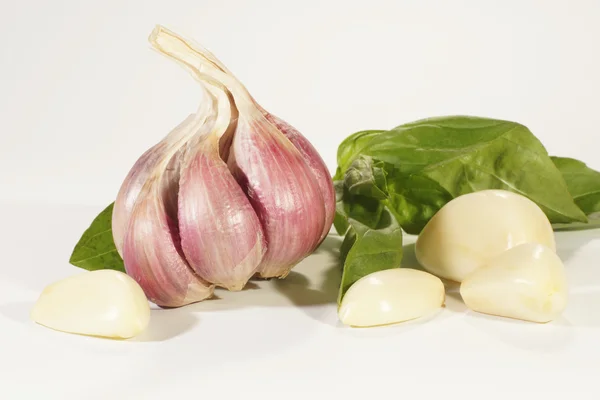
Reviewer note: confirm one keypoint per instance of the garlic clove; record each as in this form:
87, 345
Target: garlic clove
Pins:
103, 303
152, 251
472, 229
526, 282
142, 169
221, 235
316, 164
135, 179
282, 190
391, 296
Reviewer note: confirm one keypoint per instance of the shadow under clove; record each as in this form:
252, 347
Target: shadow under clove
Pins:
409, 258
166, 324
330, 245
568, 244
454, 301
317, 302
296, 287
17, 312
312, 284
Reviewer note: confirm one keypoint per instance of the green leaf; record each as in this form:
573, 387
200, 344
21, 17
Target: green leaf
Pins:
362, 208
350, 148
582, 181
346, 245
414, 199
372, 249
373, 241
366, 177
593, 223
340, 221
96, 248
432, 161
584, 185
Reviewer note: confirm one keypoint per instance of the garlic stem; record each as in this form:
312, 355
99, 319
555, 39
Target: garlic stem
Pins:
194, 59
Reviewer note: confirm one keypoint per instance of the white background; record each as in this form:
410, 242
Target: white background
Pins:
82, 96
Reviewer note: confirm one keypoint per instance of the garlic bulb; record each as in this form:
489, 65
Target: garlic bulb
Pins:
391, 296
473, 228
101, 303
526, 282
231, 192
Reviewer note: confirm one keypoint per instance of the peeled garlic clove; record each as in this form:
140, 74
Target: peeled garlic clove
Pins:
139, 173
221, 235
526, 282
474, 228
316, 164
101, 303
152, 251
391, 296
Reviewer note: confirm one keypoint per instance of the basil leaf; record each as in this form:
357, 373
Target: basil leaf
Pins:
350, 148
373, 249
373, 241
593, 223
584, 185
414, 199
366, 177
340, 221
346, 245
96, 248
432, 161
364, 209
582, 181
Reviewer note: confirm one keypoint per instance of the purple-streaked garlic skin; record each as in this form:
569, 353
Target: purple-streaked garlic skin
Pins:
221, 234
129, 192
316, 164
152, 251
283, 191
137, 177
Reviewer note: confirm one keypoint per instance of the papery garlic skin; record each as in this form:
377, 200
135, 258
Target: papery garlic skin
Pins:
316, 164
391, 296
145, 215
526, 282
283, 192
472, 229
103, 303
140, 172
152, 251
221, 235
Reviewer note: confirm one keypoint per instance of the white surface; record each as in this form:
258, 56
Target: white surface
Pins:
282, 339
81, 96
